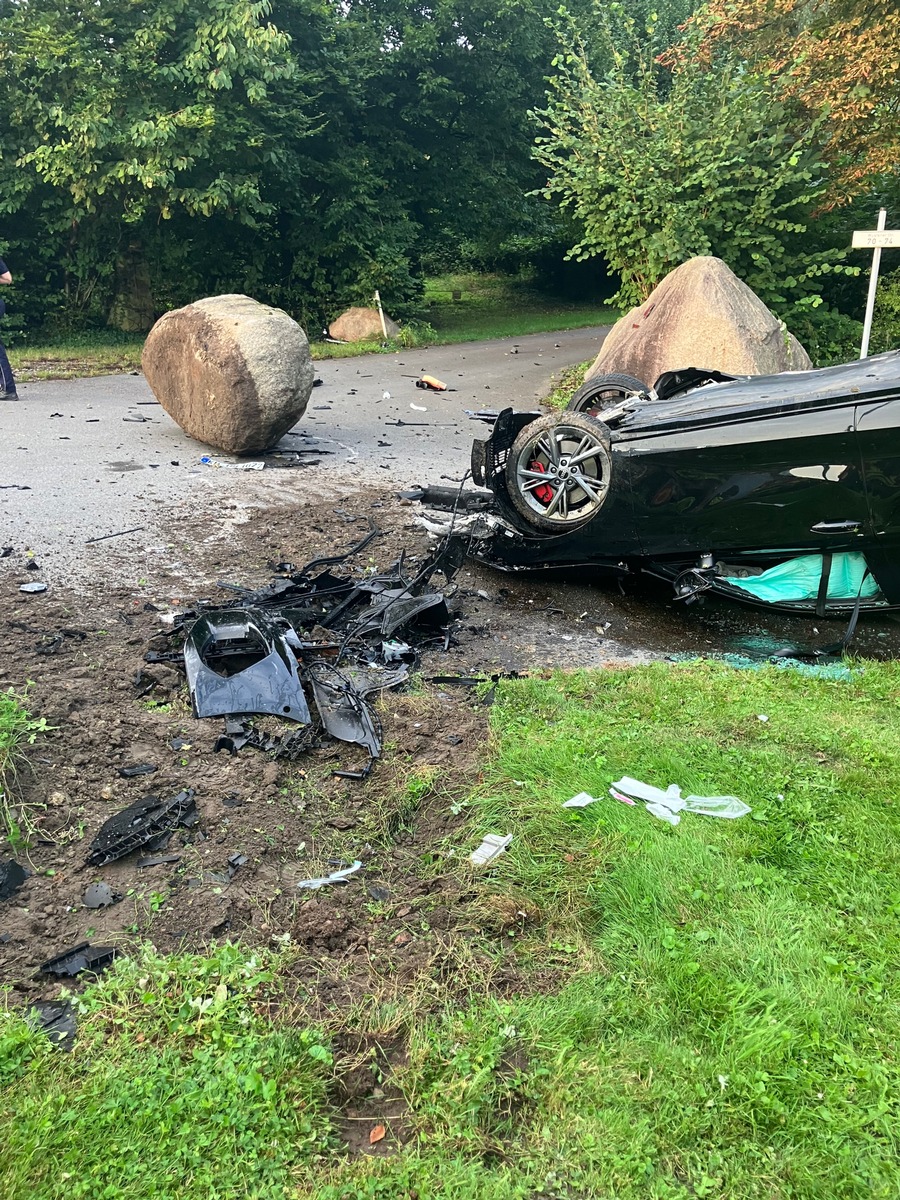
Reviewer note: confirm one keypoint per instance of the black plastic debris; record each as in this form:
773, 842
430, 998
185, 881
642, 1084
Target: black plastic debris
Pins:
145, 825
235, 862
313, 634
83, 957
137, 769
240, 662
144, 682
160, 860
57, 1019
104, 537
100, 895
51, 643
12, 876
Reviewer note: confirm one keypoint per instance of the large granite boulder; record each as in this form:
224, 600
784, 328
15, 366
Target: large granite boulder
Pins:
234, 373
361, 325
701, 315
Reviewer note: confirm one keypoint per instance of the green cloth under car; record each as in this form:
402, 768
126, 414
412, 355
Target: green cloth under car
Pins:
799, 579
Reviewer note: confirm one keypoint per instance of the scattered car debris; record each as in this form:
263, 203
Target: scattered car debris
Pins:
432, 384
310, 633
147, 824
100, 895
490, 849
83, 957
33, 589
106, 536
12, 876
159, 860
57, 1019
668, 804
211, 460
235, 862
336, 877
137, 769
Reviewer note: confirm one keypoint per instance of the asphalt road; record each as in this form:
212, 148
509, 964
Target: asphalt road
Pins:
81, 459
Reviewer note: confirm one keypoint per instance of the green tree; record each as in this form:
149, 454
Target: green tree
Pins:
659, 165
119, 115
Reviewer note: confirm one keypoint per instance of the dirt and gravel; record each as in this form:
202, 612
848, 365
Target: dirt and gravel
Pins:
78, 658
94, 457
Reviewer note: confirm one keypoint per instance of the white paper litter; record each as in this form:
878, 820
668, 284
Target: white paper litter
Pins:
492, 847
209, 460
667, 804
335, 877
582, 800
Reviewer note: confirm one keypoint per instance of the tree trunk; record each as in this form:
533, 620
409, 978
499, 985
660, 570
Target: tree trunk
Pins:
132, 310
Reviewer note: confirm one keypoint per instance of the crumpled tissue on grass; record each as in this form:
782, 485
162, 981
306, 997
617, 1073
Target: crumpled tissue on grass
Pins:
668, 804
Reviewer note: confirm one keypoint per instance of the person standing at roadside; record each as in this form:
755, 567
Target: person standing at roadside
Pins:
7, 379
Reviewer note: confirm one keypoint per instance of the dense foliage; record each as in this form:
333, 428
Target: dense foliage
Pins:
306, 151
311, 151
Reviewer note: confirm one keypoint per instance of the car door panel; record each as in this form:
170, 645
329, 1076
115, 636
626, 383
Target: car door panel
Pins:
792, 481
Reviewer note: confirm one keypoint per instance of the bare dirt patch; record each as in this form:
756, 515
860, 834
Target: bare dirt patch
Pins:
81, 663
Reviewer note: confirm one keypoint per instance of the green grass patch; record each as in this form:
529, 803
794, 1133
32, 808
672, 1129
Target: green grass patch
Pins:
77, 355
469, 307
18, 729
725, 1019
567, 385
178, 1087
707, 1011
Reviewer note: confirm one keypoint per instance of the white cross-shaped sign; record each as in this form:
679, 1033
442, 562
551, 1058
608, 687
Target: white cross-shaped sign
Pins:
874, 239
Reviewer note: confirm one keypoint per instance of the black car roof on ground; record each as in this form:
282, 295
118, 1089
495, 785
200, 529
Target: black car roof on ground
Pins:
872, 378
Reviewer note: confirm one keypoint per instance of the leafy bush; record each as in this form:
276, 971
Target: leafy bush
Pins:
827, 335
660, 166
886, 322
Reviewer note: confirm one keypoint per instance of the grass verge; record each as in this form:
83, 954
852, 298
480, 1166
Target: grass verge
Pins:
17, 730
486, 306
702, 1011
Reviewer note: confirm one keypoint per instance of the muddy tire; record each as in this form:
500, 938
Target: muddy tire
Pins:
558, 471
603, 391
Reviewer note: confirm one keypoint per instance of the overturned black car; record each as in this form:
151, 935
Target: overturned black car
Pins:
781, 489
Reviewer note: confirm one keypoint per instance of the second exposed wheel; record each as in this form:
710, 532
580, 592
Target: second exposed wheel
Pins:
604, 391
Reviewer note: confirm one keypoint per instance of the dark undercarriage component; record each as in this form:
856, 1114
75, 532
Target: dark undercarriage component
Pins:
238, 661
311, 633
145, 825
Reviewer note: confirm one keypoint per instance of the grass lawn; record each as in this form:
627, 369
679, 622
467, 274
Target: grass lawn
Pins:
490, 306
709, 1010
493, 306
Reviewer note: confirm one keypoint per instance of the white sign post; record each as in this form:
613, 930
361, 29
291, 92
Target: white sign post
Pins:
874, 239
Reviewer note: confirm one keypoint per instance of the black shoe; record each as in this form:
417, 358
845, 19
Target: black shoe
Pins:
9, 395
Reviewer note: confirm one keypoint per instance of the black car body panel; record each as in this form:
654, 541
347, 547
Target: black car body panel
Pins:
751, 470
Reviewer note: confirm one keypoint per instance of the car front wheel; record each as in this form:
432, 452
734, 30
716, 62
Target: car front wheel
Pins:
558, 471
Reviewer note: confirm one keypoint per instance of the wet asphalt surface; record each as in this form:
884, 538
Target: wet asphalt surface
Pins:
86, 458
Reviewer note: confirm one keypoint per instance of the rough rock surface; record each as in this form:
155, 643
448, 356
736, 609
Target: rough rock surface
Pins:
234, 373
361, 325
701, 315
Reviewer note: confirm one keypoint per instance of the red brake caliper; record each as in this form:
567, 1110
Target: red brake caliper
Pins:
544, 491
